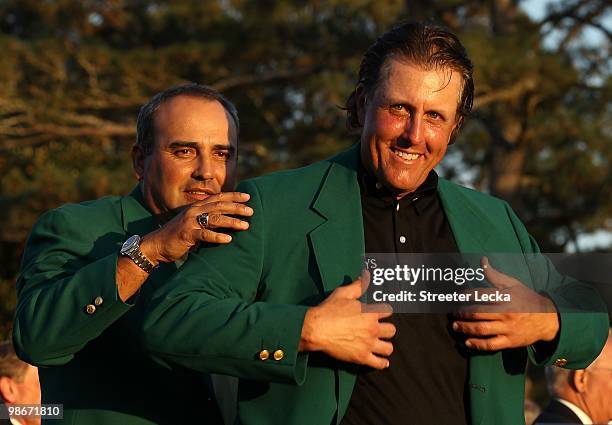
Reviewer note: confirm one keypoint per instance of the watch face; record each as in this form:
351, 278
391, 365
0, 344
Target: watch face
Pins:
130, 244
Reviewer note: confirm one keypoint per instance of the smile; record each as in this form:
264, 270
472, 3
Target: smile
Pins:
197, 195
405, 155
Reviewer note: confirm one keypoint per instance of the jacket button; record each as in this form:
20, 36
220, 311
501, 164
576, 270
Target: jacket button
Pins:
91, 309
560, 362
98, 301
264, 354
278, 355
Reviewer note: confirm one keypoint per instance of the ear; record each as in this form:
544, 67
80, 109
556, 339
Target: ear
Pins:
579, 380
8, 390
360, 103
138, 161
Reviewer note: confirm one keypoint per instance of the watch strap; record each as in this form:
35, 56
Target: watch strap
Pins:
141, 261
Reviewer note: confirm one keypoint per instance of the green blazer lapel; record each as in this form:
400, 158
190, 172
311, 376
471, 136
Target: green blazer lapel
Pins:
472, 230
137, 220
470, 225
338, 242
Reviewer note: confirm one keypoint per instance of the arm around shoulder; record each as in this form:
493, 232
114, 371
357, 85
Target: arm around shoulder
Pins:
208, 316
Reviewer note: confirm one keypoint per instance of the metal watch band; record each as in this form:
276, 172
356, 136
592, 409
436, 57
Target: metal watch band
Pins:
131, 249
141, 261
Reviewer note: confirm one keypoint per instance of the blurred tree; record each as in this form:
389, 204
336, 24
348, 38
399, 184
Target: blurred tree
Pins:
73, 74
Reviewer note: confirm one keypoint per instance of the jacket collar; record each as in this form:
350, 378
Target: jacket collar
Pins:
136, 217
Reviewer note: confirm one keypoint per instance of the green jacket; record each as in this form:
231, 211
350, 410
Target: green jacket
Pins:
93, 362
229, 303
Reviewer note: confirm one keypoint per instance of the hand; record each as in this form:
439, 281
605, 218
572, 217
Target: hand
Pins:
173, 240
339, 327
498, 331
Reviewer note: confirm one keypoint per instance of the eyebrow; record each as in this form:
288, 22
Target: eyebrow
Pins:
195, 145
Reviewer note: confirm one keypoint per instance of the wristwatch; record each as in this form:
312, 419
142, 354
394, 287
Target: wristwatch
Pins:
131, 249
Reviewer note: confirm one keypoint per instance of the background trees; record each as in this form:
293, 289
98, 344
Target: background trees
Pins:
73, 74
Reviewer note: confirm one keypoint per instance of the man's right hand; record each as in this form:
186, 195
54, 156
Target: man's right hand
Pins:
340, 328
175, 238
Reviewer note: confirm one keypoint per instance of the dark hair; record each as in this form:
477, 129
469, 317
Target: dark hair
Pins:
145, 124
425, 45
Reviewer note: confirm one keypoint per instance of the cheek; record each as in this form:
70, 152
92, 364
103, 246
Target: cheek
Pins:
389, 126
384, 126
437, 140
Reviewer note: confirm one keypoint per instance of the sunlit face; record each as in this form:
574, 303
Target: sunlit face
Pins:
407, 123
194, 154
598, 394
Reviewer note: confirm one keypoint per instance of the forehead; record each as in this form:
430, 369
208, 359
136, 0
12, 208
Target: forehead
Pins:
191, 118
401, 79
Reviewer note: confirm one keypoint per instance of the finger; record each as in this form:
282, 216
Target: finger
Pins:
480, 328
497, 278
351, 291
384, 310
207, 235
474, 316
365, 280
383, 348
216, 221
226, 197
496, 343
223, 207
376, 362
386, 330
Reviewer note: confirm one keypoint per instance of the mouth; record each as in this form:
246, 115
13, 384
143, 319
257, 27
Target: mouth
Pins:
198, 194
406, 156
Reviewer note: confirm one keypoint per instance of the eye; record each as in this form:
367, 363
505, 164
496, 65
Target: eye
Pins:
398, 108
225, 155
435, 115
183, 152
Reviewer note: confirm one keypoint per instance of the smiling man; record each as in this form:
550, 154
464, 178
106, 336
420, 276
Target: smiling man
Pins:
413, 93
89, 269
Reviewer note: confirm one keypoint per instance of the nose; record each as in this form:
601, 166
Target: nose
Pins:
413, 131
203, 168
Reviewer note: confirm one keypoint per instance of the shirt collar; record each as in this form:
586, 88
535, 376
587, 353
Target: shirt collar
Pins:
373, 189
584, 418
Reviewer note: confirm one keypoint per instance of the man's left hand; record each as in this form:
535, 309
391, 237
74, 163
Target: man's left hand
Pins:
498, 331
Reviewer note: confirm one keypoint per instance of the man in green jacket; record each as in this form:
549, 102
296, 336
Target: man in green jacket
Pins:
89, 269
262, 299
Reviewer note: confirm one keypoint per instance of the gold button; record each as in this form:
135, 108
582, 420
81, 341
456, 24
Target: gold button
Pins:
98, 301
560, 362
278, 355
264, 354
91, 309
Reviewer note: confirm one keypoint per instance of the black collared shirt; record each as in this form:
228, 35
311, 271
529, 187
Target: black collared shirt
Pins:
426, 381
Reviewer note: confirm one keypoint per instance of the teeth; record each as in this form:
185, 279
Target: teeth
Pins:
198, 193
408, 156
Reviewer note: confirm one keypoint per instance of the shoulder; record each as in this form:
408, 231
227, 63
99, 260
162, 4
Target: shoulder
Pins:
294, 183
480, 199
480, 202
84, 217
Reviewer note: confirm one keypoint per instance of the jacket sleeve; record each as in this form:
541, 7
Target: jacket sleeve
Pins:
583, 317
207, 316
60, 278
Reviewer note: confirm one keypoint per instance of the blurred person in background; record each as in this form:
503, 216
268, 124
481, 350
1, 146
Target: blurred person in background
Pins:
582, 396
89, 269
19, 384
